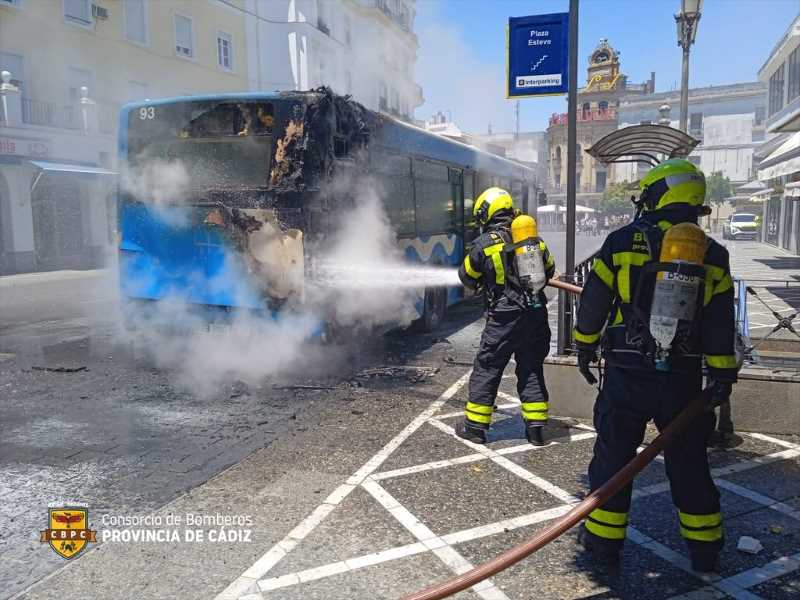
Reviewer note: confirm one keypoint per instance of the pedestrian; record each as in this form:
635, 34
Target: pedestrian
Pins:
516, 321
643, 381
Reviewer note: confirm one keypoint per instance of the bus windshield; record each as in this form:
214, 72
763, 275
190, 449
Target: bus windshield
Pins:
218, 144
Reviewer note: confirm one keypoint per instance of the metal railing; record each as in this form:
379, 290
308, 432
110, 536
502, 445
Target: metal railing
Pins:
568, 305
50, 114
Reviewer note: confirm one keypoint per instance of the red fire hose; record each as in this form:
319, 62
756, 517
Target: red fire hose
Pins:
579, 512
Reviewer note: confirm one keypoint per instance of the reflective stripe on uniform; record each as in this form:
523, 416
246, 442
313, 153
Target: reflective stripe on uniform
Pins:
724, 285
714, 276
701, 528
534, 411
470, 271
479, 413
607, 524
624, 260
605, 274
550, 261
702, 535
497, 260
585, 338
721, 361
617, 318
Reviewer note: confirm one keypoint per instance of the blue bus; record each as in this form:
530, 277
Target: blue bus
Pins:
261, 178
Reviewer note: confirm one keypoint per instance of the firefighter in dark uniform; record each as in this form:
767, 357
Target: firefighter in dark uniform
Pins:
516, 321
640, 383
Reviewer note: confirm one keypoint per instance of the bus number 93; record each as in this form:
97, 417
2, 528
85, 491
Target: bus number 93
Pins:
147, 112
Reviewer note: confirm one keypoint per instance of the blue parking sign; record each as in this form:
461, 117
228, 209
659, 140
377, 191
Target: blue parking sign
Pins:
538, 49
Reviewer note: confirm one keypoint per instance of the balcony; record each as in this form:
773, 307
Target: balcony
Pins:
401, 19
50, 114
585, 116
786, 119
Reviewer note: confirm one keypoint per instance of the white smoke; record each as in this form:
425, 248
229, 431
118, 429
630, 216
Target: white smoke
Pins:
362, 284
160, 183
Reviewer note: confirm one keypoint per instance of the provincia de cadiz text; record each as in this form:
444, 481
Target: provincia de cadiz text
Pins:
176, 527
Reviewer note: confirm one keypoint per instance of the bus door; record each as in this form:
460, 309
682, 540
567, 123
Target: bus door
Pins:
468, 231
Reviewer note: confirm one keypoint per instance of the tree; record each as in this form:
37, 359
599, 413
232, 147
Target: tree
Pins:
616, 200
718, 187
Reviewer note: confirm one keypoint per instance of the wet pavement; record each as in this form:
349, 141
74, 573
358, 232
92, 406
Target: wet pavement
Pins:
356, 492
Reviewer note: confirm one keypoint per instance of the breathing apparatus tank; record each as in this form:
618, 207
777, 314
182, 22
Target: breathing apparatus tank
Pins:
528, 258
676, 296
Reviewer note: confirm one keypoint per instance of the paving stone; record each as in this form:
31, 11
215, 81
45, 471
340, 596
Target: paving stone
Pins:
426, 445
779, 480
465, 496
561, 571
358, 526
563, 464
387, 581
780, 588
657, 519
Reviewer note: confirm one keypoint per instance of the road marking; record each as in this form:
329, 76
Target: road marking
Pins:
509, 465
246, 582
758, 575
457, 537
773, 440
754, 496
446, 553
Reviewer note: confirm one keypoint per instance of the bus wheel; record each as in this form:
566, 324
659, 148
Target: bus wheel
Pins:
435, 306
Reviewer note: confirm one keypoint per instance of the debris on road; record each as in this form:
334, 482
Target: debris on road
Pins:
750, 545
61, 369
413, 373
451, 360
304, 387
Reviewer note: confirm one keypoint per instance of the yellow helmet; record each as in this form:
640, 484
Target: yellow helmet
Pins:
674, 181
491, 201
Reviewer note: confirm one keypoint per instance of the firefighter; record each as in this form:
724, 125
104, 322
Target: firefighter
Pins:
511, 264
655, 329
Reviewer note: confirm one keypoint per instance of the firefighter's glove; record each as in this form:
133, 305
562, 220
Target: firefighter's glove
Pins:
720, 392
586, 356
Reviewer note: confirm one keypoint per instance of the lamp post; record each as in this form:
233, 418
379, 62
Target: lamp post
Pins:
687, 21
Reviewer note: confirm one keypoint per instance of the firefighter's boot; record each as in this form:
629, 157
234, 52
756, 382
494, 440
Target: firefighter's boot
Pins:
466, 431
534, 434
603, 554
705, 562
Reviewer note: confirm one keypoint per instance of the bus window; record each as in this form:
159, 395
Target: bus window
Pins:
216, 143
434, 199
393, 175
484, 183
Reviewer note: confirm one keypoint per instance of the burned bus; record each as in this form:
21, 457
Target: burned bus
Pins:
225, 199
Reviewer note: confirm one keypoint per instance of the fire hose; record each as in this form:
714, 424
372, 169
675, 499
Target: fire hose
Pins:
580, 511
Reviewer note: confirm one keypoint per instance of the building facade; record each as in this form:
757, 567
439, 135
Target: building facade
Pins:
71, 64
598, 104
729, 121
365, 48
779, 168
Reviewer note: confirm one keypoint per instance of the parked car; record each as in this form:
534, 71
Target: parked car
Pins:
741, 226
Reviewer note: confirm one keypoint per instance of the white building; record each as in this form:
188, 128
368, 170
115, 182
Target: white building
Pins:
366, 48
780, 167
727, 119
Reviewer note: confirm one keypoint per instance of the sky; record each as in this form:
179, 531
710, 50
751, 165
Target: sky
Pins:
461, 58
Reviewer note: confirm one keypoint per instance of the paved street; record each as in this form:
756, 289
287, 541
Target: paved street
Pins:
352, 487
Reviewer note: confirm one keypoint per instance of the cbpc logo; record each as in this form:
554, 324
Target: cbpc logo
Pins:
68, 533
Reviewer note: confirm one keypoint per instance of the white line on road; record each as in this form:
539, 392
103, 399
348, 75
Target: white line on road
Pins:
246, 582
509, 465
446, 553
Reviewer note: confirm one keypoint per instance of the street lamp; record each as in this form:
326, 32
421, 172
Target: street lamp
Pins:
687, 21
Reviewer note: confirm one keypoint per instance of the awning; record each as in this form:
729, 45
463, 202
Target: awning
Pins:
45, 166
784, 160
752, 186
643, 143
69, 168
